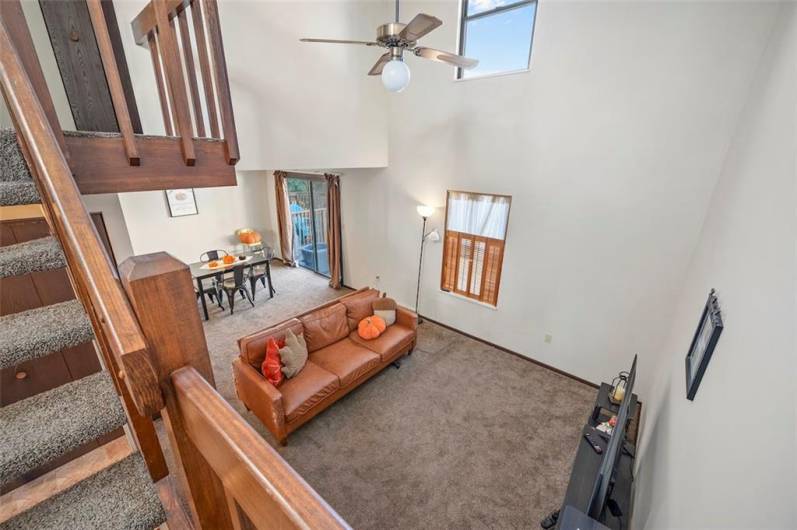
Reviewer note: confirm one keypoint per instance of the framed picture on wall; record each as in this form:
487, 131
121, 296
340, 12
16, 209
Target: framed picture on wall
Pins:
703, 343
181, 202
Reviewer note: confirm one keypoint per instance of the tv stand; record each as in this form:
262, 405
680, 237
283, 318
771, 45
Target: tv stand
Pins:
585, 468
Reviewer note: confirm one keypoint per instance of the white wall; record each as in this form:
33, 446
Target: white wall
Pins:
221, 212
610, 147
727, 459
296, 104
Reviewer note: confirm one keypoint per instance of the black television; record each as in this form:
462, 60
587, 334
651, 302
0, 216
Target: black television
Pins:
603, 480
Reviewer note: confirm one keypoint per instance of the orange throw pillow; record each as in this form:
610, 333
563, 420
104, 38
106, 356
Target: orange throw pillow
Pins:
371, 327
272, 364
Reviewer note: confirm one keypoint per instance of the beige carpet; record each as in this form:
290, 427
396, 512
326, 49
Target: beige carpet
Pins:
461, 436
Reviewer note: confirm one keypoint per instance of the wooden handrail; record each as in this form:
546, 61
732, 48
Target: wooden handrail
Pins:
114, 80
88, 264
255, 477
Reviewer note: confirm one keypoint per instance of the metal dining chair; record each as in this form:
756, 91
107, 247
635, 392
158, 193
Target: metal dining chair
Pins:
236, 285
259, 272
218, 279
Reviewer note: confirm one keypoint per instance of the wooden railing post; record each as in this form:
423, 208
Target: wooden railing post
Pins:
162, 295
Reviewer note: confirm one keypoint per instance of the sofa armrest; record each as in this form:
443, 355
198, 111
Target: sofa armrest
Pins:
261, 397
406, 318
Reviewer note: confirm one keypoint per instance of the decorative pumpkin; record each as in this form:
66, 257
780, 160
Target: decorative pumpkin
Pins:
371, 327
228, 259
247, 236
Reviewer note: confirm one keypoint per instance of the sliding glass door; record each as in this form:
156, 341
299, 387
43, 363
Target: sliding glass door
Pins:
307, 198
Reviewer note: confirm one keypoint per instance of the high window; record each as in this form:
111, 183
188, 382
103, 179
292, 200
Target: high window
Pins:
498, 33
473, 250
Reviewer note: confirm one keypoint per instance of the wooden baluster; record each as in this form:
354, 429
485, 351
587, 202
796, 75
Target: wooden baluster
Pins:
185, 40
222, 81
152, 43
114, 80
175, 81
204, 66
162, 295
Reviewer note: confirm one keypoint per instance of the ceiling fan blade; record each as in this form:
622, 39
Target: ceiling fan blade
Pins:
445, 57
376, 69
334, 41
420, 26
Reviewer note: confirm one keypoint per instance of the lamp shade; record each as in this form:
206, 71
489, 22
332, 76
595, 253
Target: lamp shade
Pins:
395, 75
425, 211
433, 236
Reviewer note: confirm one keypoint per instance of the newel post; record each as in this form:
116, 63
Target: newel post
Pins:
162, 295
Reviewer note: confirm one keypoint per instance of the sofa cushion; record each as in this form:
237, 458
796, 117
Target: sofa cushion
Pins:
346, 360
325, 326
253, 347
394, 338
358, 306
307, 389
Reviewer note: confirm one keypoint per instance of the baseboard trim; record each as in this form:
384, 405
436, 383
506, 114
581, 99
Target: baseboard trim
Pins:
511, 352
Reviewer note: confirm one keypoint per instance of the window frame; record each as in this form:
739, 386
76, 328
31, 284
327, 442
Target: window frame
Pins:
463, 24
474, 238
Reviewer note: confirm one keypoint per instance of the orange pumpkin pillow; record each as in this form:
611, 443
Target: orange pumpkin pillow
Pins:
272, 364
371, 327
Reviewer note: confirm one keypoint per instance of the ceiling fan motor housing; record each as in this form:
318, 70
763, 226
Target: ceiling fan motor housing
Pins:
388, 35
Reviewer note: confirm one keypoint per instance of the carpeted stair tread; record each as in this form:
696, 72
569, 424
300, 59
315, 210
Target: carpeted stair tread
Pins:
37, 332
12, 164
41, 254
15, 193
119, 497
43, 427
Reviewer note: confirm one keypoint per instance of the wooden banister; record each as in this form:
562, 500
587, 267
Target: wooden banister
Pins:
160, 17
89, 268
230, 476
175, 81
188, 57
222, 81
269, 493
205, 67
105, 46
118, 336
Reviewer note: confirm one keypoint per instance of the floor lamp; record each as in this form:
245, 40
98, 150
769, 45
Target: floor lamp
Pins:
425, 212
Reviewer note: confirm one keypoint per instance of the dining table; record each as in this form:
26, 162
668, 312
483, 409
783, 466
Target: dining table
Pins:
201, 271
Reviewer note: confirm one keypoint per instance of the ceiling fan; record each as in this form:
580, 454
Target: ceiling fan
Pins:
398, 38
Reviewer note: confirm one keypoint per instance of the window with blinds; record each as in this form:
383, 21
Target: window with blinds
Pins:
473, 249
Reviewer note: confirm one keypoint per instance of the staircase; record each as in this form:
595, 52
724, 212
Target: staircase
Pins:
46, 426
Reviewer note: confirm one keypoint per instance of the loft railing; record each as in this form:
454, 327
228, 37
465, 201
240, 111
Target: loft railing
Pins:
163, 27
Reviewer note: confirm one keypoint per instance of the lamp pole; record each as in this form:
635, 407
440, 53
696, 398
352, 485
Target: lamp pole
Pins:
420, 265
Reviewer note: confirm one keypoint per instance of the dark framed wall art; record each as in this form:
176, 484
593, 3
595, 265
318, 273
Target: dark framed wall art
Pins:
703, 343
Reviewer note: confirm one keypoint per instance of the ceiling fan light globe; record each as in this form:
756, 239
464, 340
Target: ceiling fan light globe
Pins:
395, 75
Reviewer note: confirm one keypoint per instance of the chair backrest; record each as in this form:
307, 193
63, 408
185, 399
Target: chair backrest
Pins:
238, 275
211, 255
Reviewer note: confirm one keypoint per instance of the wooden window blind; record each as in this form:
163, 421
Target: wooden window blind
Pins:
473, 247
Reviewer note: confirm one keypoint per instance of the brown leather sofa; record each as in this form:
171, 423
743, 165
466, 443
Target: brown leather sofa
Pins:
339, 361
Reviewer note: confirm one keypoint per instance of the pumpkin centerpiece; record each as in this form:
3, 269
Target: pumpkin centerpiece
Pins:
228, 259
247, 236
371, 327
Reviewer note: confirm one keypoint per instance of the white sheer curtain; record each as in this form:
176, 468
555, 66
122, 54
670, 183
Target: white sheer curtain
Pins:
480, 215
